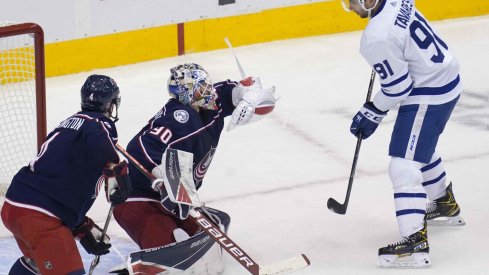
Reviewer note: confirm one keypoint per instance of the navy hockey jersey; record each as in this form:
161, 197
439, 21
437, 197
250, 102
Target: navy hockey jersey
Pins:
179, 127
65, 177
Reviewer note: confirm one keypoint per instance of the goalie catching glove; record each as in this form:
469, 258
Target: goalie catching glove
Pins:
252, 102
175, 183
89, 235
117, 182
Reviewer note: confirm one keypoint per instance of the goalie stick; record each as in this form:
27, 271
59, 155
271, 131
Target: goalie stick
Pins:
241, 71
223, 240
333, 204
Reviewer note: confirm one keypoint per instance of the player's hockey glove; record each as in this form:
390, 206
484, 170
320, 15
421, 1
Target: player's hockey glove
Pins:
117, 182
365, 122
252, 102
89, 234
180, 211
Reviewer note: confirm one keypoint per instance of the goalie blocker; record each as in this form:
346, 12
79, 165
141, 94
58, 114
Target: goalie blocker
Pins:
198, 254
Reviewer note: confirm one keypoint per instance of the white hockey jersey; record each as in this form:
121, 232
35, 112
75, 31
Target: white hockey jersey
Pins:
414, 65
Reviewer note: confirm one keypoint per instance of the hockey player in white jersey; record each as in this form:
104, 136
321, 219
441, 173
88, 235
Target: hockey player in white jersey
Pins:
419, 73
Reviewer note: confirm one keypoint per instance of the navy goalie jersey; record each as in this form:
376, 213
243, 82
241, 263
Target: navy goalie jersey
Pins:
179, 127
65, 177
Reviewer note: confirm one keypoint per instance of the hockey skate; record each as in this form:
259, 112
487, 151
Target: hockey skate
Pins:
444, 210
411, 252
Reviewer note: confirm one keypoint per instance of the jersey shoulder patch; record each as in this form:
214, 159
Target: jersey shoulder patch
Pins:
181, 116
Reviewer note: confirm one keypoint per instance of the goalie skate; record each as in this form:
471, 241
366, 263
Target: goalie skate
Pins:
411, 252
444, 210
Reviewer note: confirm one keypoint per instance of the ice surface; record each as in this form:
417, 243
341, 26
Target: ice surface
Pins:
274, 177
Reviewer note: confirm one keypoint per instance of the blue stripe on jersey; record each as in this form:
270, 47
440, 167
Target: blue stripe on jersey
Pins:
410, 211
436, 90
431, 165
426, 183
399, 94
400, 79
409, 195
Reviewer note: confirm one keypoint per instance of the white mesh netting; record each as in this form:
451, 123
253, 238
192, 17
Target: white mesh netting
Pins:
18, 123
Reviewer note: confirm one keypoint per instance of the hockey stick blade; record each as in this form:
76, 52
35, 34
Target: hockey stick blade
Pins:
286, 266
336, 207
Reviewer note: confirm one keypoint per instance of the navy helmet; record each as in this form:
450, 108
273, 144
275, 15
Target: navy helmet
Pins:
101, 94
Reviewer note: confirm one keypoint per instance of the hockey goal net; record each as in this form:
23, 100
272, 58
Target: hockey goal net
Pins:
22, 97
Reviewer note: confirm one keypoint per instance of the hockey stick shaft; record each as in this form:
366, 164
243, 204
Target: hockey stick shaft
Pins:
241, 71
334, 205
104, 232
222, 239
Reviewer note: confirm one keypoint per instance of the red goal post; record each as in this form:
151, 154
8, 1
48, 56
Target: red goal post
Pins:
22, 97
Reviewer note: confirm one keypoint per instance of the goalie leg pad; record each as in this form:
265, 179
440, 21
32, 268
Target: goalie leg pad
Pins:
197, 255
218, 217
212, 263
176, 256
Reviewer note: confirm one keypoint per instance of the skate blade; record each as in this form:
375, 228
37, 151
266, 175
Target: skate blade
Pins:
447, 221
415, 260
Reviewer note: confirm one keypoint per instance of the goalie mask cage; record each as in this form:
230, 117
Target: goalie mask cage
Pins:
22, 97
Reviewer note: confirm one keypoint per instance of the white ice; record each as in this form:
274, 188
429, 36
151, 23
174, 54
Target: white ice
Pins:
274, 177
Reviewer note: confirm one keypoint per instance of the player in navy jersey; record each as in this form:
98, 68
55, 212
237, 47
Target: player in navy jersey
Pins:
47, 200
191, 121
418, 73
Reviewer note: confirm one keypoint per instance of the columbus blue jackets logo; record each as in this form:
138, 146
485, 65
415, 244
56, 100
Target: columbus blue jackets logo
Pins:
181, 116
202, 167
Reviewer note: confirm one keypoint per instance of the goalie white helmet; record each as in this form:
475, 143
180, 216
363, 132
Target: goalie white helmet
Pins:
190, 84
